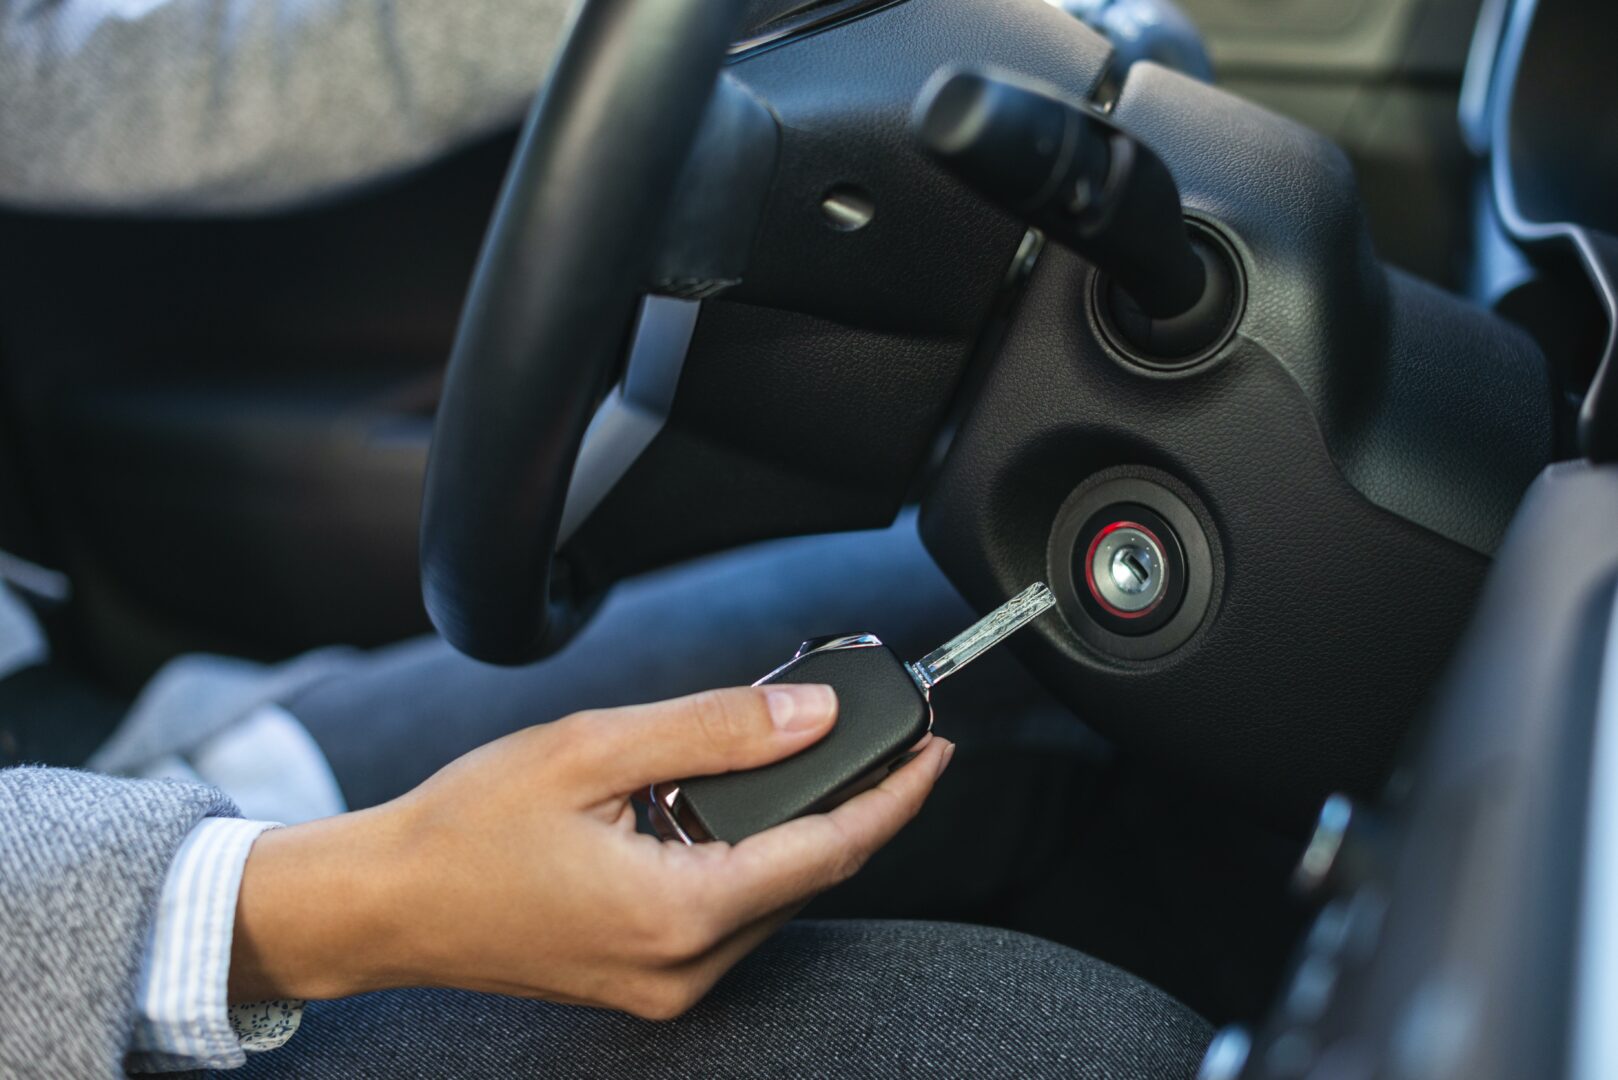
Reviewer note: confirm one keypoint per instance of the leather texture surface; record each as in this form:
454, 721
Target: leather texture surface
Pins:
1335, 616
1436, 408
814, 390
1458, 421
1360, 447
1289, 197
934, 254
784, 425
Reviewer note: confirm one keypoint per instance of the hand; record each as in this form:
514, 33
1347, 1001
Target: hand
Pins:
517, 869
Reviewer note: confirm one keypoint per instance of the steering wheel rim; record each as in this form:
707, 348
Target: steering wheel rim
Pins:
565, 259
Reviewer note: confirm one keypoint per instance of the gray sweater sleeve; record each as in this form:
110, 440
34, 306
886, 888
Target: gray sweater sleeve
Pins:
82, 863
229, 105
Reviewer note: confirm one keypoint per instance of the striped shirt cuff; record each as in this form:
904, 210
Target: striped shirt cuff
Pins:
184, 1021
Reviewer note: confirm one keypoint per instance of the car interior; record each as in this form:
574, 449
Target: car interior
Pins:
1277, 338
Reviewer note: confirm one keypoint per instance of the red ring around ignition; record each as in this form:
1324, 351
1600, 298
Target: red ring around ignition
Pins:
1090, 570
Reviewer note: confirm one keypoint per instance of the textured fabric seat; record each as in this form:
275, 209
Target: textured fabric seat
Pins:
822, 999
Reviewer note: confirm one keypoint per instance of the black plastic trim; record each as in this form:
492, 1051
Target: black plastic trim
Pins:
1118, 343
1203, 567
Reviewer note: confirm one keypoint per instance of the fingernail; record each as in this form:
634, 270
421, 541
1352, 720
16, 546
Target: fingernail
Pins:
800, 707
944, 759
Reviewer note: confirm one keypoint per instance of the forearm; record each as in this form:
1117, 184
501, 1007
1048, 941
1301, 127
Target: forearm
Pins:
325, 910
220, 105
518, 869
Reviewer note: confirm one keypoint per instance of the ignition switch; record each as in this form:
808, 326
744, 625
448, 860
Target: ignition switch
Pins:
1132, 569
1131, 563
1126, 570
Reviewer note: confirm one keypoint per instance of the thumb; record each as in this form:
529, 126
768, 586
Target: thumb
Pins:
713, 732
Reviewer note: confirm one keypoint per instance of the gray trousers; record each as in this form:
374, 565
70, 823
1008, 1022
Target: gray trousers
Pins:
820, 999
723, 621
844, 997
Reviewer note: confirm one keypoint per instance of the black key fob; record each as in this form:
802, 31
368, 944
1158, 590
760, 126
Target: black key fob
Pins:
882, 711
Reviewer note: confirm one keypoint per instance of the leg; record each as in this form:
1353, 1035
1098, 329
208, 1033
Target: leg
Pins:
722, 621
820, 999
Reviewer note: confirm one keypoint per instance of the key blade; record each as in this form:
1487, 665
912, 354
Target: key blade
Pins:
982, 635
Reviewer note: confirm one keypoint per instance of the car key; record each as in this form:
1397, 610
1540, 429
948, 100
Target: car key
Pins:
884, 709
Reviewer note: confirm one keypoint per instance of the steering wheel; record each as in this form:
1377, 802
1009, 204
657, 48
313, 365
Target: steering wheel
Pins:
1325, 469
572, 241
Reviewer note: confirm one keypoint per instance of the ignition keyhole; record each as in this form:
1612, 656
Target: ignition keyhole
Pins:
1132, 569
1127, 573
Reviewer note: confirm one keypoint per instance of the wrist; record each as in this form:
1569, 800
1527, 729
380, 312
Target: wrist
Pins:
323, 908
